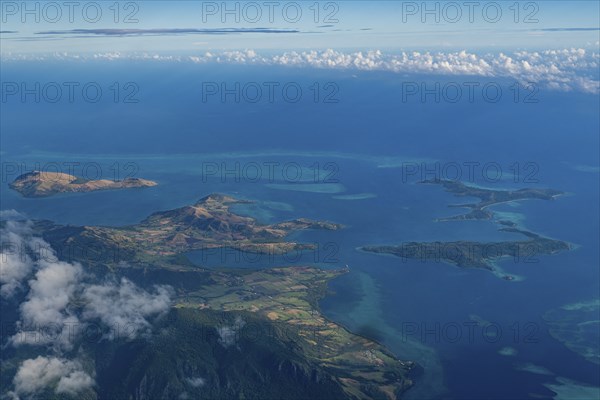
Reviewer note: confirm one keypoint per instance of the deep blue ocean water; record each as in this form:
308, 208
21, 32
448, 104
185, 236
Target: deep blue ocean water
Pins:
357, 146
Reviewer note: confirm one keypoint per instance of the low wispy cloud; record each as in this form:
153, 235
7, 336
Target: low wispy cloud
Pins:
7, 215
163, 31
59, 301
567, 29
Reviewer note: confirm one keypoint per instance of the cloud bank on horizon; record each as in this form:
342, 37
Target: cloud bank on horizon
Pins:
551, 43
574, 69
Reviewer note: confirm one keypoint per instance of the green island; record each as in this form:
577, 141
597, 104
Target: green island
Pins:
482, 255
45, 184
277, 338
471, 254
487, 197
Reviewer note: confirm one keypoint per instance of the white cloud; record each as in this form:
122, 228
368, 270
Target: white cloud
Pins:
125, 307
229, 335
53, 286
45, 311
15, 256
74, 382
34, 375
15, 265
196, 382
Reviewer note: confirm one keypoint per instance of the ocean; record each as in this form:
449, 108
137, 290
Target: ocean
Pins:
350, 150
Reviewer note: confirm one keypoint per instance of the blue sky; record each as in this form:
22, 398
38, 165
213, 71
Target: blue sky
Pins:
442, 25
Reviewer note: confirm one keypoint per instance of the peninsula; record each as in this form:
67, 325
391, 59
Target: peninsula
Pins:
253, 333
207, 224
